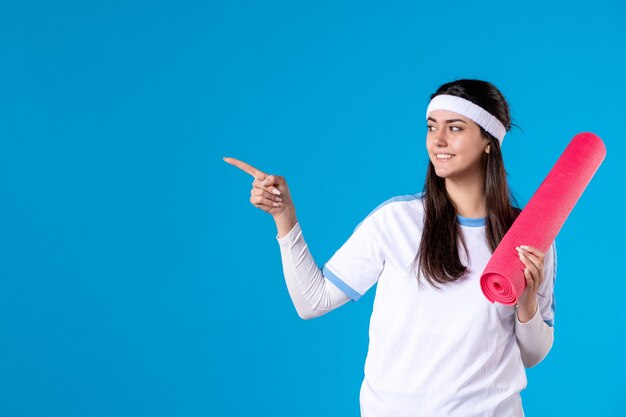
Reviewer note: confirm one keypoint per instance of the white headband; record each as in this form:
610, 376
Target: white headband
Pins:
470, 110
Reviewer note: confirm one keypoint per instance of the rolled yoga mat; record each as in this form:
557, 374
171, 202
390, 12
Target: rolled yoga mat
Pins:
542, 218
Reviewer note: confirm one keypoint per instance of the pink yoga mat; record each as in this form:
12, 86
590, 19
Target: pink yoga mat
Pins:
542, 218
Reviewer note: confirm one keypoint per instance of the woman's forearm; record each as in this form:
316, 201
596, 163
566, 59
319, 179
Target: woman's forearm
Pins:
311, 293
534, 338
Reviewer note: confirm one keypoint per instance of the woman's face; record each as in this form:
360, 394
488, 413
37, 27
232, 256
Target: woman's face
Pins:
460, 142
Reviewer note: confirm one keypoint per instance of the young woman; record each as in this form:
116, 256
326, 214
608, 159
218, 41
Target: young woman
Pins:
437, 346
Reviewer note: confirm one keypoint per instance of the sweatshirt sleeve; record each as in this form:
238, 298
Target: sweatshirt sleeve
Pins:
536, 336
311, 292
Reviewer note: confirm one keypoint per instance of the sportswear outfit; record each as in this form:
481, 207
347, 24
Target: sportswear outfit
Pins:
432, 352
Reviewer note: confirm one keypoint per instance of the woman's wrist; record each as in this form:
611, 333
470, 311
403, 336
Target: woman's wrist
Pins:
285, 221
526, 310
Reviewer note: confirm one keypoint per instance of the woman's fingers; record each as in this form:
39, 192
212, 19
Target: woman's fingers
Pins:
264, 203
530, 263
257, 174
533, 260
529, 279
265, 181
260, 184
525, 261
263, 193
528, 275
533, 251
534, 255
269, 192
261, 179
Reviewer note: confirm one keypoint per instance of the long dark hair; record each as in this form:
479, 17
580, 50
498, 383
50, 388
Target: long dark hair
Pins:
438, 255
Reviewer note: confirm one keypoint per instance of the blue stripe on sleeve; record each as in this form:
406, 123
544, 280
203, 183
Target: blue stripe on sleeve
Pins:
554, 282
553, 306
340, 284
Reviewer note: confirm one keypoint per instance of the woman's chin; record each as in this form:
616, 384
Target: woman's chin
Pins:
442, 173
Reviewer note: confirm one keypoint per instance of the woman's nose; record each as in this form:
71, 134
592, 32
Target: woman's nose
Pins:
439, 138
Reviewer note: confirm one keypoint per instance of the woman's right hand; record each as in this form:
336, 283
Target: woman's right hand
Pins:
269, 192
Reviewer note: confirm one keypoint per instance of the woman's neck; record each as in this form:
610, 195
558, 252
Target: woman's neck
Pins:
468, 197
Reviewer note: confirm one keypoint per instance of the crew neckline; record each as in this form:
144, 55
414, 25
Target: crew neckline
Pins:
471, 221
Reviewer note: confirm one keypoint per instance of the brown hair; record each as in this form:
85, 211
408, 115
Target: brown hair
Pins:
438, 255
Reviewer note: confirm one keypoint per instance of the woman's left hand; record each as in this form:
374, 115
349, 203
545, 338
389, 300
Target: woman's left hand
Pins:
532, 258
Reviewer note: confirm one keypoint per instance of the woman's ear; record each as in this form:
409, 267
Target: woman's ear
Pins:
488, 147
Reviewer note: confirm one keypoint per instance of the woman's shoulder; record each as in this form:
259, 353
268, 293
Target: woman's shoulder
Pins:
404, 198
398, 202
391, 207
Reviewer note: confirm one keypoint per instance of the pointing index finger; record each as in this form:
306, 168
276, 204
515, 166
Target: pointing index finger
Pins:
245, 167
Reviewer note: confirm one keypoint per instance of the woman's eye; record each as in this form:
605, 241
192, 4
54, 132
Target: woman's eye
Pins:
430, 128
458, 129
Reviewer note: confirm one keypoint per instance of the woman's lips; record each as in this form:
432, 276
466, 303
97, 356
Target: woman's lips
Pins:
445, 159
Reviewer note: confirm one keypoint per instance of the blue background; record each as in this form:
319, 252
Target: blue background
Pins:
136, 279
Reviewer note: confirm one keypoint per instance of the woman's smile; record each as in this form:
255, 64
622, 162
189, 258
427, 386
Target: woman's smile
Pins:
443, 157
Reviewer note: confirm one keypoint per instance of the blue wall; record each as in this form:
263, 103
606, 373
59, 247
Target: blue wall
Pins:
136, 279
